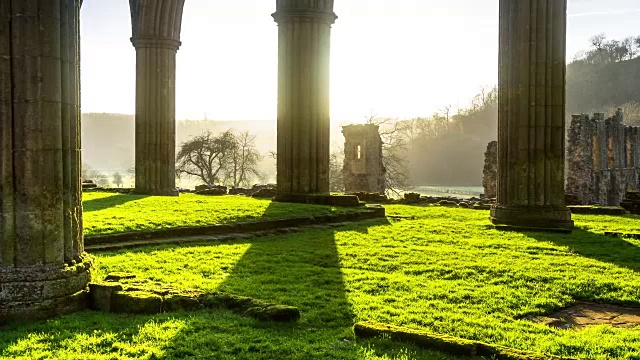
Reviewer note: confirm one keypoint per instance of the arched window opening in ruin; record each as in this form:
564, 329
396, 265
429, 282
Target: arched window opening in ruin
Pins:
359, 152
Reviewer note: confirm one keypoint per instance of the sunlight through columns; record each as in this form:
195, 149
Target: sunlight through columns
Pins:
303, 95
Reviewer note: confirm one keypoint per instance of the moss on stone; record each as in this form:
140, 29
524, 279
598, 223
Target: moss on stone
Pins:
136, 302
445, 343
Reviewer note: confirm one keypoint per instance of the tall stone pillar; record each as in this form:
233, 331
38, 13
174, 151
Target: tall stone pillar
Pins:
156, 37
43, 268
303, 96
531, 118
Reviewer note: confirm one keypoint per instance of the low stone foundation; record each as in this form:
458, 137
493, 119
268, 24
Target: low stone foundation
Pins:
444, 343
39, 292
631, 202
332, 200
120, 293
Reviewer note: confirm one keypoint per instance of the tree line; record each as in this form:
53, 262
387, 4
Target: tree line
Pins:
604, 51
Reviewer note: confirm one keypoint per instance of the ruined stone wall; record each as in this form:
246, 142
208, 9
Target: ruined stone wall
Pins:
603, 159
490, 173
602, 164
363, 169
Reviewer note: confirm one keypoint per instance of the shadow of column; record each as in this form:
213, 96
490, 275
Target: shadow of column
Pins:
613, 250
109, 202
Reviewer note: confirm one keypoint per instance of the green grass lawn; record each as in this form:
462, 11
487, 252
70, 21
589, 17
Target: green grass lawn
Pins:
106, 213
447, 271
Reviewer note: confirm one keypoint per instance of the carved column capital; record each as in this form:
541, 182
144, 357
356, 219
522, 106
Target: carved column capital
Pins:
156, 43
288, 11
156, 23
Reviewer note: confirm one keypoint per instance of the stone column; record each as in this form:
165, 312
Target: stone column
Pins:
303, 96
156, 37
531, 118
43, 268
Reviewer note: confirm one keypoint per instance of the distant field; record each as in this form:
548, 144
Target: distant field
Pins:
453, 191
106, 213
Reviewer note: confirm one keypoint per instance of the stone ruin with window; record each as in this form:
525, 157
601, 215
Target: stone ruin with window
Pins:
363, 169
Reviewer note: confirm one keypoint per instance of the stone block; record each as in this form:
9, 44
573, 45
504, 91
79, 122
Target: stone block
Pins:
136, 302
100, 295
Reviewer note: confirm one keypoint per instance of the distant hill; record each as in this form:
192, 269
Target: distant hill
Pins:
108, 139
599, 87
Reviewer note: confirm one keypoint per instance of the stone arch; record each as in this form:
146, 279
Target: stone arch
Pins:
156, 26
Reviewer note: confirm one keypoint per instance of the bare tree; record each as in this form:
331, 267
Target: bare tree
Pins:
395, 153
117, 179
630, 45
99, 178
206, 156
244, 161
336, 178
598, 41
227, 158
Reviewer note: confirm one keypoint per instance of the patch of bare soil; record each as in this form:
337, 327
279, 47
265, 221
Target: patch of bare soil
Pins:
585, 314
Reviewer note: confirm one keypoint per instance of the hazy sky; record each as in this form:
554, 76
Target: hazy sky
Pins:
399, 58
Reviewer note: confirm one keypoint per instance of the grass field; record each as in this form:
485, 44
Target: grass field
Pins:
106, 213
446, 271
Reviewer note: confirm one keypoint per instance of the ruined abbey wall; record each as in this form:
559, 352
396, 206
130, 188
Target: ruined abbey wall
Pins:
602, 163
603, 159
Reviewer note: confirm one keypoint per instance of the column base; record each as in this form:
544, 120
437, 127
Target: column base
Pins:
41, 292
320, 199
158, 192
532, 217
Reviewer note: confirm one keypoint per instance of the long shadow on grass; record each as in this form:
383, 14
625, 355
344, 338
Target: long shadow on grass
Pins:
612, 250
109, 202
301, 269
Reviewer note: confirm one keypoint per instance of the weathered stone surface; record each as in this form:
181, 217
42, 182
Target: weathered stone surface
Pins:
631, 202
43, 271
363, 169
490, 172
147, 297
266, 193
100, 295
136, 302
584, 314
371, 197
304, 31
412, 197
603, 159
251, 307
156, 36
333, 200
445, 343
531, 110
212, 192
178, 302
